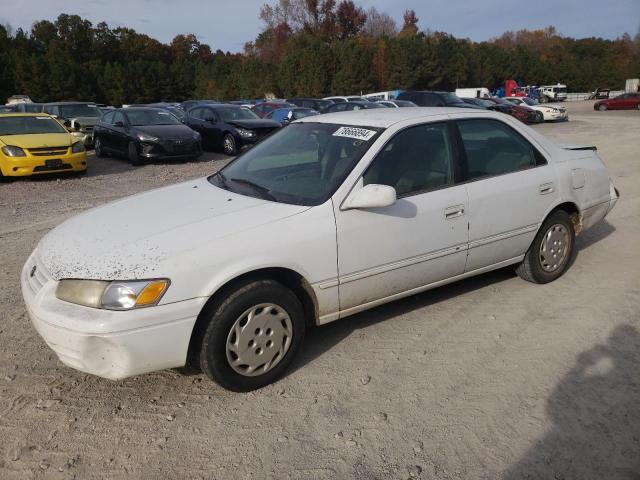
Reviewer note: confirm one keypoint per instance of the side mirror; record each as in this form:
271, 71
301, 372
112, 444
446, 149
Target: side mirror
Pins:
371, 196
118, 124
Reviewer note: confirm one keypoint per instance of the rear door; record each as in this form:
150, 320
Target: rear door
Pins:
103, 130
511, 186
120, 135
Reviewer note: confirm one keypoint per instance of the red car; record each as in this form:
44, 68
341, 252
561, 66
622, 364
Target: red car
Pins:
264, 108
624, 101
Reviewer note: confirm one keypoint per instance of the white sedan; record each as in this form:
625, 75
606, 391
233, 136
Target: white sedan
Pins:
327, 217
547, 112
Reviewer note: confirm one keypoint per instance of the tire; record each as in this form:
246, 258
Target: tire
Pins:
239, 318
134, 156
229, 145
602, 107
539, 117
542, 263
97, 148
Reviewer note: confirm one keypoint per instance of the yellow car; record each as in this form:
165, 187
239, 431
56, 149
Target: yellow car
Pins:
36, 143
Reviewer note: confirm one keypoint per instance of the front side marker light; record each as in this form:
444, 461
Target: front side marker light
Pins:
152, 293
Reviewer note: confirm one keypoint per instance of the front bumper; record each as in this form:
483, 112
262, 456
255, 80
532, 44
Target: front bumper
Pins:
106, 343
38, 165
558, 115
167, 150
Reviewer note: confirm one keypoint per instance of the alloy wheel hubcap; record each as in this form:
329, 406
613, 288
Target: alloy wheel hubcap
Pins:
259, 339
554, 248
228, 144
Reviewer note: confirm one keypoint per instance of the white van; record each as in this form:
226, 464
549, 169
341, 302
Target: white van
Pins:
553, 93
479, 92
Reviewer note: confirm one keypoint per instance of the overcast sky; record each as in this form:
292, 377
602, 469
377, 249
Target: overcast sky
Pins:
228, 24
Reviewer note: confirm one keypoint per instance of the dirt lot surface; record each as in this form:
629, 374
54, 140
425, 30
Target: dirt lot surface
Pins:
492, 377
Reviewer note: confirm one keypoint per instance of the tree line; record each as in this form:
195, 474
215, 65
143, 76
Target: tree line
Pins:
306, 48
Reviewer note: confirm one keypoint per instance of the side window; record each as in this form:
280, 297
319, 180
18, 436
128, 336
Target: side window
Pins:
209, 115
417, 159
493, 148
108, 118
195, 113
118, 117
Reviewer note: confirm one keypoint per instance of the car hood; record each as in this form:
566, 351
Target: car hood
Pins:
37, 140
257, 123
166, 131
132, 237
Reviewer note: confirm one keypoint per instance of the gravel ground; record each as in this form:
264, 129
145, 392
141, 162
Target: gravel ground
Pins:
492, 377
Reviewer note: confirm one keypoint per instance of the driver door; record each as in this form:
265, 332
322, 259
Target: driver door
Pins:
419, 240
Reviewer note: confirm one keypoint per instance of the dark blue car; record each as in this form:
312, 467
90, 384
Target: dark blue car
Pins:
288, 115
228, 127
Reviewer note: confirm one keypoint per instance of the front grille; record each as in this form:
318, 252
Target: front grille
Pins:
180, 145
37, 274
51, 168
48, 151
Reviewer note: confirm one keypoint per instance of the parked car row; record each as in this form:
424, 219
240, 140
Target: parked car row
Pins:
143, 132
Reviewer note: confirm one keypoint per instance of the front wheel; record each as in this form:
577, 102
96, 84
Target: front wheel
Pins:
134, 156
229, 145
252, 336
539, 117
551, 251
602, 107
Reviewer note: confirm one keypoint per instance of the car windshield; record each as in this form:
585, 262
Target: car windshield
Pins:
529, 101
301, 164
451, 98
29, 125
79, 110
139, 118
300, 113
229, 114
324, 103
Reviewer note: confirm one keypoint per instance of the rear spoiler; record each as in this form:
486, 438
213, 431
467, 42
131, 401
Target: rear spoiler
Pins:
580, 147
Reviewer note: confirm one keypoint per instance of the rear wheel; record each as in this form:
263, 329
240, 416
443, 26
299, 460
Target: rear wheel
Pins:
551, 251
134, 156
97, 148
252, 335
229, 145
602, 107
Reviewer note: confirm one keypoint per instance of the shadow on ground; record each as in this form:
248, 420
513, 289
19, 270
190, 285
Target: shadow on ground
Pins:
595, 410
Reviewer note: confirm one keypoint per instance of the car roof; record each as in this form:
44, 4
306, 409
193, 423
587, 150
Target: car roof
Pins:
69, 103
140, 107
386, 117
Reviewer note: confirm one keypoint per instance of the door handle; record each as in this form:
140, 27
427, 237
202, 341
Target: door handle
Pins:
453, 212
546, 188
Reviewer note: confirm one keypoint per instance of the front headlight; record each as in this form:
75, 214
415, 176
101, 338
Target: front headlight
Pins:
11, 151
77, 147
246, 133
115, 295
145, 137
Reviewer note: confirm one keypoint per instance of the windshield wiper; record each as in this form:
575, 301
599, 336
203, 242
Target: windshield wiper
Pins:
264, 192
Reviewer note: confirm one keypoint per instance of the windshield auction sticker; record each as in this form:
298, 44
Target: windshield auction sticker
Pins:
353, 132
